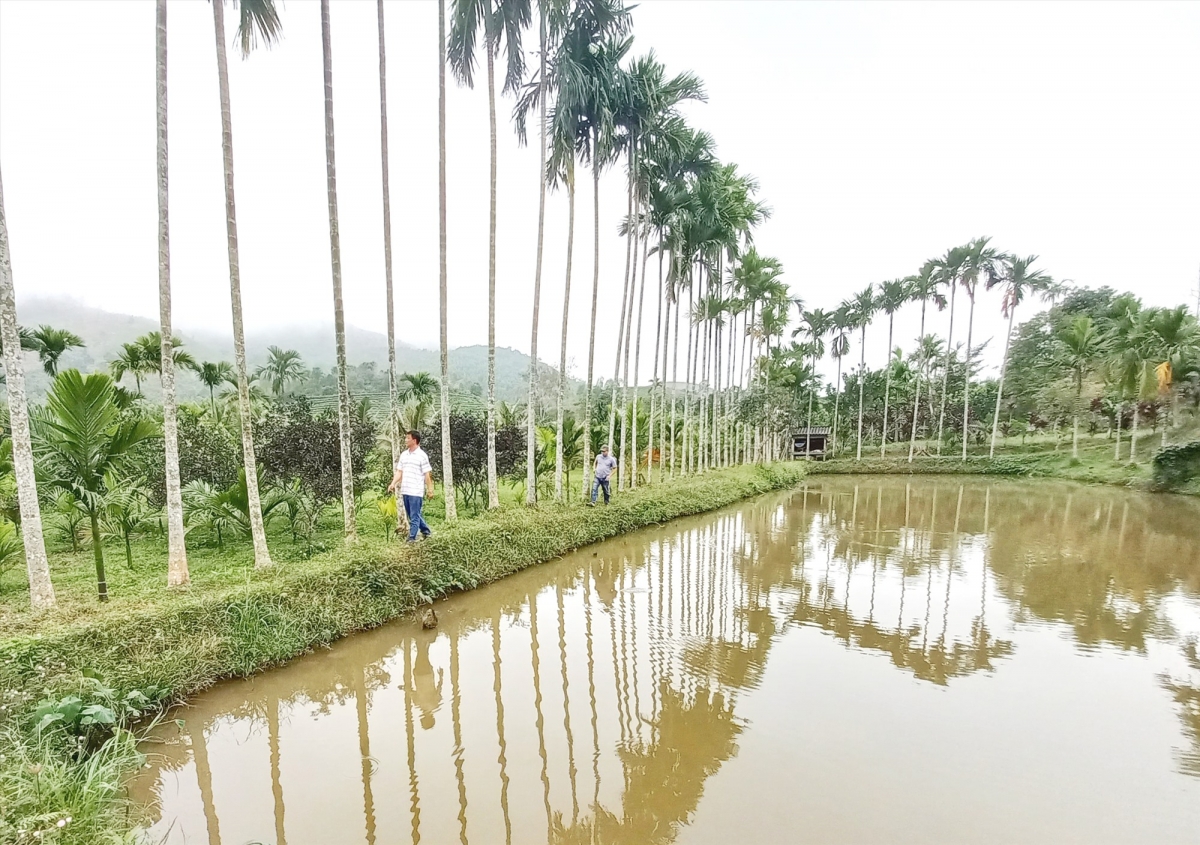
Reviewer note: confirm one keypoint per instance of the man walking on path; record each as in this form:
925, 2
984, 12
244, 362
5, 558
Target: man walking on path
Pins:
605, 464
413, 480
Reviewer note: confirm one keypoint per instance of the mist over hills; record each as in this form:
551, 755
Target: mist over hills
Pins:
104, 332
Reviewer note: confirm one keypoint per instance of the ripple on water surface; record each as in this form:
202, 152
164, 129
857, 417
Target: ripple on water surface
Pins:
862, 660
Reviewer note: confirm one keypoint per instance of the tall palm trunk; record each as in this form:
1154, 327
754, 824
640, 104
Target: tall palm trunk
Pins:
177, 565
811, 394
625, 466
862, 377
626, 303
562, 353
655, 384
689, 376
946, 374
837, 401
966, 427
393, 414
262, 555
922, 376
887, 388
1137, 395
492, 481
41, 590
350, 526
637, 355
675, 388
447, 456
1120, 408
587, 410
1000, 386
530, 415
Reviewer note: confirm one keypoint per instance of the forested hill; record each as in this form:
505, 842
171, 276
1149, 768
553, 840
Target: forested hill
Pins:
104, 332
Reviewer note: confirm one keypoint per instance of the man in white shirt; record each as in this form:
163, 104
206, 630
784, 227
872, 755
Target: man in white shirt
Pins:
413, 480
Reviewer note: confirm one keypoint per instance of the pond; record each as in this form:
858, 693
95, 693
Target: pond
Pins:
863, 659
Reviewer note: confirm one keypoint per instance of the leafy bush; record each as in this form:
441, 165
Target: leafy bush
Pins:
296, 444
89, 718
10, 548
468, 445
1175, 466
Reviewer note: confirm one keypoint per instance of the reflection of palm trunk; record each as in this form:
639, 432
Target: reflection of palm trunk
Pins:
459, 752
276, 781
204, 780
562, 652
540, 722
364, 750
591, 669
502, 759
410, 742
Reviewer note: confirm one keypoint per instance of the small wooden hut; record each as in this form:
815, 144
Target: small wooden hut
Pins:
811, 443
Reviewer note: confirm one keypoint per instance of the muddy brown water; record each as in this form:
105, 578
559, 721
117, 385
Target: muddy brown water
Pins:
861, 660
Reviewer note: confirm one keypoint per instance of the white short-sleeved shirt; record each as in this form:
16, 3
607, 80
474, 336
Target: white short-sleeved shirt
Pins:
414, 464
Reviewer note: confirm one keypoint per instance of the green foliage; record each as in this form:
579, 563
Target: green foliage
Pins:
226, 512
468, 446
1177, 466
294, 443
10, 548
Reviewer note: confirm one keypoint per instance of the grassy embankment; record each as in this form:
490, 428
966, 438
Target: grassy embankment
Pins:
234, 621
1041, 458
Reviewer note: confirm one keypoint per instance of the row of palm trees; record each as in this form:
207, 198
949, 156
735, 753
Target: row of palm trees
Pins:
1137, 350
593, 105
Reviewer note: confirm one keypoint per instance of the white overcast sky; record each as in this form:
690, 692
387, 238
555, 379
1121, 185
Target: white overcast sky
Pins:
881, 133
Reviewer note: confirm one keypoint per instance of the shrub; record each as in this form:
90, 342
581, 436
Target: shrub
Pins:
1175, 466
296, 444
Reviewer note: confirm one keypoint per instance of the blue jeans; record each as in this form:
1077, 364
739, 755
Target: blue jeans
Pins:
601, 484
412, 508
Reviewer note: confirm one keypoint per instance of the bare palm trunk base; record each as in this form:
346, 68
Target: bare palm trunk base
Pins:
393, 410
447, 458
492, 481
339, 320
177, 565
41, 590
262, 556
530, 411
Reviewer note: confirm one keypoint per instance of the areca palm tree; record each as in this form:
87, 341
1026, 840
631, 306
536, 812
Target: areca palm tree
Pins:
1018, 278
51, 343
417, 387
84, 443
530, 414
152, 351
41, 590
258, 20
949, 270
177, 566
132, 360
501, 22
924, 287
349, 516
842, 321
1175, 340
863, 307
283, 366
213, 375
1081, 345
816, 325
893, 295
393, 403
982, 262
443, 279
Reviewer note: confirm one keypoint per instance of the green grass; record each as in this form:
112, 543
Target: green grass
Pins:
1038, 458
234, 621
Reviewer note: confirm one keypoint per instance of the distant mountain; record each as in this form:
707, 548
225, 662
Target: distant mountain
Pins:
103, 333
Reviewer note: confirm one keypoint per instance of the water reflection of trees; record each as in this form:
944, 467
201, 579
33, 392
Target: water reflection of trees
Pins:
672, 633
